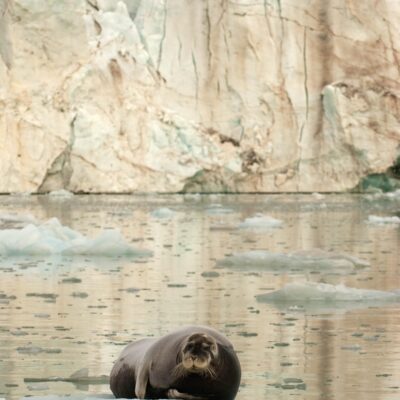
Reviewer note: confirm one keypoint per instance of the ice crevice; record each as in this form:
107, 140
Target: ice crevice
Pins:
164, 32
208, 25
60, 172
196, 75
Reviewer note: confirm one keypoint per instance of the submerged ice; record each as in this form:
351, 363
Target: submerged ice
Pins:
51, 237
299, 260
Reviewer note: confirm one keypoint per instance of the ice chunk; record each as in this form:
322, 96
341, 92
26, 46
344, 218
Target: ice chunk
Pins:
384, 196
62, 193
311, 291
316, 259
218, 209
163, 212
393, 195
260, 221
329, 255
53, 238
374, 219
318, 196
302, 295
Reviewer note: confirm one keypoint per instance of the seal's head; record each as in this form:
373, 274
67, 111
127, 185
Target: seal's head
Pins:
198, 354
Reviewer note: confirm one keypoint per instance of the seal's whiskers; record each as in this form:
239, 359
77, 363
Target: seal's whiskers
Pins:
209, 371
179, 371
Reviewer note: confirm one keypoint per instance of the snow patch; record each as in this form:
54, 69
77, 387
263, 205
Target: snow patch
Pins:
51, 237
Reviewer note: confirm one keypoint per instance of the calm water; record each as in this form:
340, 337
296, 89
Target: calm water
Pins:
58, 315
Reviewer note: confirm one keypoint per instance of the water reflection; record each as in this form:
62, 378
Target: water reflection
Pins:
58, 315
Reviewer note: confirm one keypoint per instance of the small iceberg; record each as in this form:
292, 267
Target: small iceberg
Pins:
61, 194
51, 237
318, 196
316, 259
260, 221
322, 295
374, 219
384, 196
218, 209
163, 212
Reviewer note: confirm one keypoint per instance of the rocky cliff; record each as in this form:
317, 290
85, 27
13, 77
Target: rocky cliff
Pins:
197, 95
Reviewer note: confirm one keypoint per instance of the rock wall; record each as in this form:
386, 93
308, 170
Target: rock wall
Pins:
197, 95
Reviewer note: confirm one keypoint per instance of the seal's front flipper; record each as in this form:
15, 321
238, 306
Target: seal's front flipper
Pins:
142, 379
174, 394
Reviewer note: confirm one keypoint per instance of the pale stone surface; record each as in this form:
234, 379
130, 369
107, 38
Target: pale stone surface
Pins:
172, 95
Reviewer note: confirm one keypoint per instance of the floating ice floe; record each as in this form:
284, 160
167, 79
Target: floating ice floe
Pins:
163, 212
316, 259
393, 195
260, 221
217, 209
321, 295
374, 219
53, 238
318, 196
62, 193
384, 196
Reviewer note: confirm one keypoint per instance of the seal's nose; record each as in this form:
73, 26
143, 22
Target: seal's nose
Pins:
188, 362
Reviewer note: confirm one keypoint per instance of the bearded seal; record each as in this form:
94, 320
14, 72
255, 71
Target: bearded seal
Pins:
191, 363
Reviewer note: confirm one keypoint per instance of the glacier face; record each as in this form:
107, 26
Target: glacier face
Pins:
200, 95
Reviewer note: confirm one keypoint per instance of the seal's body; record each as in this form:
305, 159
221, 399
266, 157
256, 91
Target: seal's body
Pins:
194, 362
